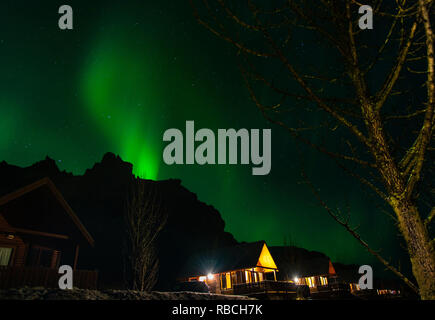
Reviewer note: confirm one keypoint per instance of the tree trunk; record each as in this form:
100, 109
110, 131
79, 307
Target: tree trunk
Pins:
411, 226
420, 248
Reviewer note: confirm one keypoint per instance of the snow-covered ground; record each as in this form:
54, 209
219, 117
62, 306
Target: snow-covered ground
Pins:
40, 293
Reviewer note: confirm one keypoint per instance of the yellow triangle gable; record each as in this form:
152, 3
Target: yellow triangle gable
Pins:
266, 260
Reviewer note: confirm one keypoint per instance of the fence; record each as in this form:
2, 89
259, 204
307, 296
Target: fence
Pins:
266, 286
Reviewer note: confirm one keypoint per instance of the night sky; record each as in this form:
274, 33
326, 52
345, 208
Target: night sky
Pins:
130, 70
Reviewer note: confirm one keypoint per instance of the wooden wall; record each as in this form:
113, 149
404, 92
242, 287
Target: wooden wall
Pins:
18, 245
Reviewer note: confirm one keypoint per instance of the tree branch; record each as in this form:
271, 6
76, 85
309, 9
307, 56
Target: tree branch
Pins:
429, 119
353, 232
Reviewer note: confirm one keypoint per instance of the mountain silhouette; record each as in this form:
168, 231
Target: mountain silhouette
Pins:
99, 196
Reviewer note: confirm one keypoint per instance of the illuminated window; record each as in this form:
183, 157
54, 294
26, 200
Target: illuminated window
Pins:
310, 282
354, 287
324, 281
223, 281
228, 276
202, 278
248, 276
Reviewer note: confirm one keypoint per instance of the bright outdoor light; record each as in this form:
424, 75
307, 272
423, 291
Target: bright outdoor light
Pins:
210, 276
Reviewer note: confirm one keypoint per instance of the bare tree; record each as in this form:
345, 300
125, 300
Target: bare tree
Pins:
372, 89
145, 218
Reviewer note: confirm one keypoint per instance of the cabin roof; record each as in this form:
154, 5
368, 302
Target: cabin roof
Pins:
347, 273
298, 262
41, 207
242, 256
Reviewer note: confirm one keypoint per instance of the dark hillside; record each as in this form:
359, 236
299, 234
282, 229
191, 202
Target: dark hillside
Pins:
98, 198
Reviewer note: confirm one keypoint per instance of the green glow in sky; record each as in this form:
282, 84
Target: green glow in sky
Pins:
121, 98
128, 72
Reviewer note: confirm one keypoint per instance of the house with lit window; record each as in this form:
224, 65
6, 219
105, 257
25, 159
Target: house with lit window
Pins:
310, 268
39, 232
244, 269
316, 275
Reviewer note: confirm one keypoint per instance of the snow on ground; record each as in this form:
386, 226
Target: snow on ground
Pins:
40, 293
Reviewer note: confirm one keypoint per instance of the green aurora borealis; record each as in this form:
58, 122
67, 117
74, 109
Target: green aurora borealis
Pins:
128, 72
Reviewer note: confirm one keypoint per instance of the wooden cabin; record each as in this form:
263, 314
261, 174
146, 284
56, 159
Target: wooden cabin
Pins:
242, 269
313, 270
316, 276
38, 233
